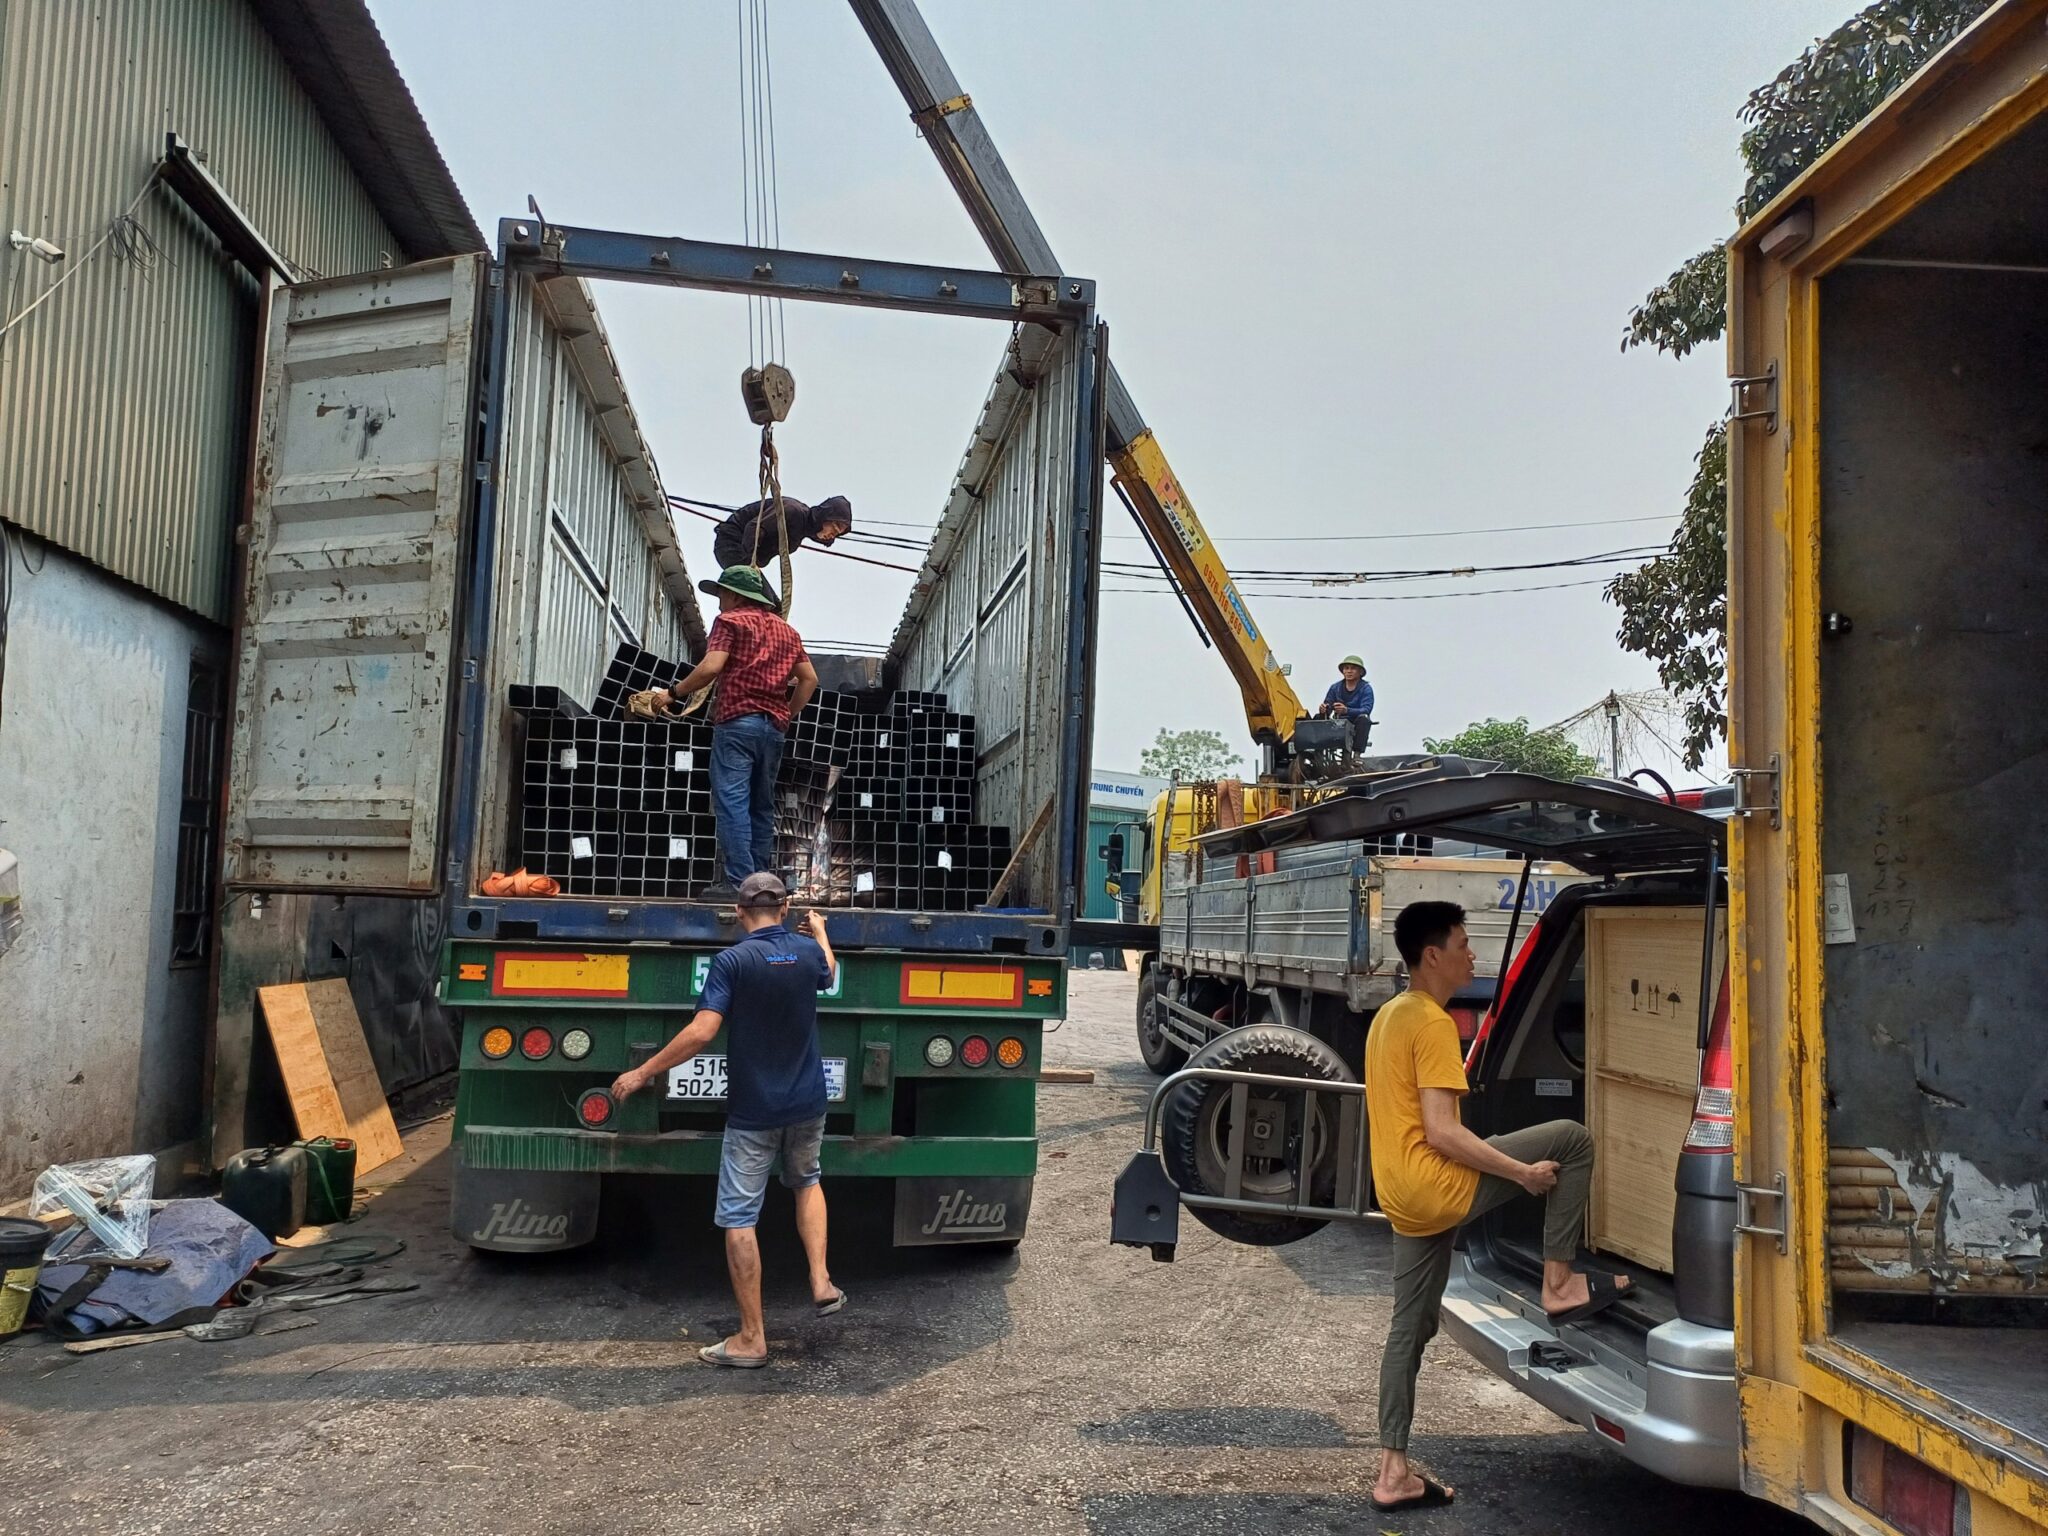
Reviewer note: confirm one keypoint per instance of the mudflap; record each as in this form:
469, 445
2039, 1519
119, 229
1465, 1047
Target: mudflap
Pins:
1144, 1211
519, 1210
950, 1211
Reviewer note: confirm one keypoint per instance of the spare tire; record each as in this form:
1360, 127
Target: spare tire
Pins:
1194, 1129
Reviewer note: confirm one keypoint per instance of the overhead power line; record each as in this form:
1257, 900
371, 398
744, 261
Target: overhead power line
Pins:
1355, 538
1252, 538
1381, 597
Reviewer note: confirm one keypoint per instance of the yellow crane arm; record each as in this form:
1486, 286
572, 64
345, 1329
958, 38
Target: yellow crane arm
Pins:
1157, 497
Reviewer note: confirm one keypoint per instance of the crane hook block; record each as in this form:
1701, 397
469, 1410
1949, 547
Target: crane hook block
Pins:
769, 393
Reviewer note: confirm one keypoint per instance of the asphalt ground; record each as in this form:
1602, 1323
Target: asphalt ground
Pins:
1069, 1387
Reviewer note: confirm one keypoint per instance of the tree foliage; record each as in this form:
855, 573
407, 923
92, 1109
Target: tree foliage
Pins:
1787, 125
1512, 744
1189, 755
1675, 609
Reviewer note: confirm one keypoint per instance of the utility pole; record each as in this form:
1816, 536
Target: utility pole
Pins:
1611, 706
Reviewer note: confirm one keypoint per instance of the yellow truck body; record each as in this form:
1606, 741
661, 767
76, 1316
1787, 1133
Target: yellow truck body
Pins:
1888, 547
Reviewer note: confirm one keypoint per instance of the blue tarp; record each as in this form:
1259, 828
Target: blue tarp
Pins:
210, 1248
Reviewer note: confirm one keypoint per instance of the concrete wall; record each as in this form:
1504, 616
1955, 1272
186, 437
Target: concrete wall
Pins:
102, 1042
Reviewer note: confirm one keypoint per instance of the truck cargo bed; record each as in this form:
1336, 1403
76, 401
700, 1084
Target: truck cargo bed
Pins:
1325, 918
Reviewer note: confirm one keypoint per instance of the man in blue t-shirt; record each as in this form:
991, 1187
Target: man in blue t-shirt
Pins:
1351, 697
767, 986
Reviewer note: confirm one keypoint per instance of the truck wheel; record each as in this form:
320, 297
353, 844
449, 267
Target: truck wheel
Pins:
1195, 1132
1160, 1053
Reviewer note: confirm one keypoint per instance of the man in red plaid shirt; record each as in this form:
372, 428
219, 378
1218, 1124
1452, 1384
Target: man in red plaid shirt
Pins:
764, 678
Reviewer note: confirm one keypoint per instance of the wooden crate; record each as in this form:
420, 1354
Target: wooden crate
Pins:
1642, 1069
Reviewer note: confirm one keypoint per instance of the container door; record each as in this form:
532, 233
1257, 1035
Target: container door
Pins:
346, 629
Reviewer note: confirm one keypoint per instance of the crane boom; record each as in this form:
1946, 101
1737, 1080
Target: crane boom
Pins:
946, 116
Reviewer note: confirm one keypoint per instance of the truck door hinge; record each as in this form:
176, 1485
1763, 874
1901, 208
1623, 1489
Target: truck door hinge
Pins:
1755, 398
1765, 799
1745, 1212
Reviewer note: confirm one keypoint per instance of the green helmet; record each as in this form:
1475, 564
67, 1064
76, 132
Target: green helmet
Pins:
1352, 661
742, 581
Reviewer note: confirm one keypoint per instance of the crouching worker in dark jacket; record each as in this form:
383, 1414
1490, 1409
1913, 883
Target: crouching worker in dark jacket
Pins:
750, 537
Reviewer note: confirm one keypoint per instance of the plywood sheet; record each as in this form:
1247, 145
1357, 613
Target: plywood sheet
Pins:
1643, 994
1642, 1052
328, 1073
1635, 1172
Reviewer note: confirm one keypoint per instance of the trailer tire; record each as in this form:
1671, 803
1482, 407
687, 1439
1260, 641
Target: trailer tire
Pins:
1160, 1053
1192, 1128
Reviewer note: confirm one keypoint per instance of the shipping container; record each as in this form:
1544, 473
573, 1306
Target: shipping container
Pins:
451, 498
1888, 529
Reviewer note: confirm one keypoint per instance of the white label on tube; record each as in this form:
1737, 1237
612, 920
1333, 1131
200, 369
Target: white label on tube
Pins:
679, 847
938, 813
944, 860
568, 758
864, 882
579, 847
882, 740
867, 802
685, 761
952, 738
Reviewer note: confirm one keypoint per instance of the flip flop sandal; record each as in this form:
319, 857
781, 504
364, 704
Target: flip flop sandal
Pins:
717, 1354
1602, 1293
1434, 1495
833, 1304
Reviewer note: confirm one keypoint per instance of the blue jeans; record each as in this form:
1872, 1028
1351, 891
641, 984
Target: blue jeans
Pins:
744, 756
746, 1157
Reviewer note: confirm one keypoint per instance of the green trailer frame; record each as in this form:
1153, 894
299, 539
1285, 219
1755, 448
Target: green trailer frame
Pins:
959, 1141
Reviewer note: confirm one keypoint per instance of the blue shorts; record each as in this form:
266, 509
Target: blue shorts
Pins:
749, 1156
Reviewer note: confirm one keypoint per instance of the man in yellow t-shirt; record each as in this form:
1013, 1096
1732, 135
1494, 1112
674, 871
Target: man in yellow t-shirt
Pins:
1431, 1174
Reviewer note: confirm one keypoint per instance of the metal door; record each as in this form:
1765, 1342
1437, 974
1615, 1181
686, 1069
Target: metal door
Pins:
348, 604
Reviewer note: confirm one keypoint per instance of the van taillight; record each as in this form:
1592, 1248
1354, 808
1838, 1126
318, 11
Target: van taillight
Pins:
1713, 1112
1503, 990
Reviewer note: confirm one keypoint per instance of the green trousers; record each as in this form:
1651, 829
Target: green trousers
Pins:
1423, 1264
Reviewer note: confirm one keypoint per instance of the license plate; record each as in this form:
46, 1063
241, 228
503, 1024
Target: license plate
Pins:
702, 1079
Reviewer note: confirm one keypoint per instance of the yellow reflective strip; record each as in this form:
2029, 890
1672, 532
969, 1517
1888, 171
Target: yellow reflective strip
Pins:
936, 984
582, 973
979, 986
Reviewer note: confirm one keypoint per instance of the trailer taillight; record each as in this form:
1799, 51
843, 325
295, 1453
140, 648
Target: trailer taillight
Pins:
536, 1044
1713, 1111
1907, 1493
595, 1108
1011, 1052
497, 1042
974, 1052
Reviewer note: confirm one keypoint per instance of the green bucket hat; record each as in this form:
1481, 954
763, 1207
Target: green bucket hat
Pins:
742, 581
1353, 661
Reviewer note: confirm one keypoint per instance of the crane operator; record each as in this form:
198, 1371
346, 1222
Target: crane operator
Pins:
1351, 698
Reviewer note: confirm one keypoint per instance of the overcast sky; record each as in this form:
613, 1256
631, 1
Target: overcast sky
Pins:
1365, 267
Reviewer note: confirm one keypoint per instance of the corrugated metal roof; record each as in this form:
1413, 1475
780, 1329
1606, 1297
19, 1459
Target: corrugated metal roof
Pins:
339, 57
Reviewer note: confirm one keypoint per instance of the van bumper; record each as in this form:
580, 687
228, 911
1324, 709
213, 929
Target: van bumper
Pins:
1676, 1415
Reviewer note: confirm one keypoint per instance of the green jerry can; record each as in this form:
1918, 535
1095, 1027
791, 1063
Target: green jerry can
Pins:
266, 1187
330, 1179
